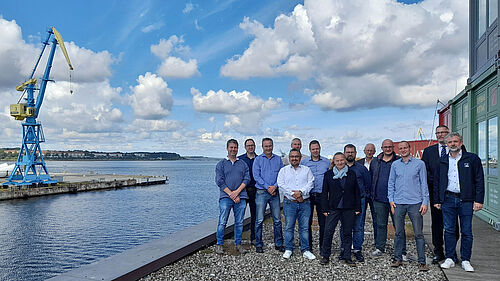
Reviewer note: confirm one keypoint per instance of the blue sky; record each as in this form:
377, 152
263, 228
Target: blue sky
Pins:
184, 76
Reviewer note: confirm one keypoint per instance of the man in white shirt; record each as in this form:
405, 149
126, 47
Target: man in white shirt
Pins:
295, 182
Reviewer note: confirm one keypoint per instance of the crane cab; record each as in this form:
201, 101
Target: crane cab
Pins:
21, 111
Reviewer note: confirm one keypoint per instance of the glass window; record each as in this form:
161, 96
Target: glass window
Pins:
493, 146
466, 111
481, 143
481, 18
481, 104
492, 11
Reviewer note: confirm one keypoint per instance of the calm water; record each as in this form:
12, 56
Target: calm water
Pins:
43, 237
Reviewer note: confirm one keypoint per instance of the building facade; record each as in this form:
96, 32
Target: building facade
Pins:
474, 111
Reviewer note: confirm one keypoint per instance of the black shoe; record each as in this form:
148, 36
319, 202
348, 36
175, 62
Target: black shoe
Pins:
324, 261
259, 250
359, 256
350, 262
341, 256
280, 248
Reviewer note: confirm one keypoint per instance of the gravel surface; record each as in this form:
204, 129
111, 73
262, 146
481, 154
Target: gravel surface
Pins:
207, 265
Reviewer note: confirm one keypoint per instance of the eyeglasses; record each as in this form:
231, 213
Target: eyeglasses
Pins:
294, 156
442, 133
387, 147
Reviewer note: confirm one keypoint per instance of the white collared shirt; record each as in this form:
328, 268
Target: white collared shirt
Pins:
227, 158
367, 164
290, 179
453, 179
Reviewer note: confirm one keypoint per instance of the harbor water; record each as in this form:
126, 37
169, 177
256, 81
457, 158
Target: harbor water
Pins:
45, 236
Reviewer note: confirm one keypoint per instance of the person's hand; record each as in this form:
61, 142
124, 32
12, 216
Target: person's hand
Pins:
296, 194
300, 199
271, 189
437, 206
325, 214
477, 206
237, 199
233, 195
357, 213
423, 209
393, 206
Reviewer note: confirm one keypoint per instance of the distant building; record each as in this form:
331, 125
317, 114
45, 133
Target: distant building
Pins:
416, 147
474, 111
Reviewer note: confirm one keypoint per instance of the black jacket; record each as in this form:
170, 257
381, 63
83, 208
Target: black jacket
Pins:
333, 192
470, 177
375, 169
431, 157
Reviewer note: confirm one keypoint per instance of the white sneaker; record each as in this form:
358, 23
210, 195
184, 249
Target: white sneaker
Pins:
467, 267
287, 254
448, 263
308, 255
377, 253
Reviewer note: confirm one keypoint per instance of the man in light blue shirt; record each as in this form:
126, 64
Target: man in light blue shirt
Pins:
318, 165
408, 193
265, 172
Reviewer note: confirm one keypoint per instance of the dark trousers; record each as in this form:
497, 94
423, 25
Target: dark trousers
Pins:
251, 191
346, 217
437, 230
315, 199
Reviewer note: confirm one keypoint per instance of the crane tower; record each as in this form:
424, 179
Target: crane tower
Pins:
30, 167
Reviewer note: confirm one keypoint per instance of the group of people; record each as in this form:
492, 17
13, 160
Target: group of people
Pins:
448, 178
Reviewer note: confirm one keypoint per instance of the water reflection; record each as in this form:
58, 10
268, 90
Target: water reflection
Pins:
43, 237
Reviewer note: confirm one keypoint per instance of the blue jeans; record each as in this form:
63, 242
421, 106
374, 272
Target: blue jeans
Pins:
382, 211
261, 200
454, 207
225, 206
300, 212
417, 222
369, 201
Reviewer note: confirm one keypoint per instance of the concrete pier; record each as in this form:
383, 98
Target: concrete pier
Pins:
74, 183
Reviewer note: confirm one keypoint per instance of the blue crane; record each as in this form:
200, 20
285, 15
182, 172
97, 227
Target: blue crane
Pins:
30, 167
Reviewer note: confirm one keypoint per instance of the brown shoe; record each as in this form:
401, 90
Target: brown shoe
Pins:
423, 267
241, 249
396, 263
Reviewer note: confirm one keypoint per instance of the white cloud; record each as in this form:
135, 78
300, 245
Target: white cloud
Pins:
152, 27
19, 58
231, 102
362, 54
151, 98
189, 7
172, 66
210, 137
156, 125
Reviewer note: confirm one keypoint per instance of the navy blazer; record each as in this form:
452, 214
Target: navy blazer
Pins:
470, 176
333, 192
431, 157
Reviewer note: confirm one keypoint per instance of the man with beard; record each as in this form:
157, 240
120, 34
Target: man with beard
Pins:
458, 192
431, 157
364, 184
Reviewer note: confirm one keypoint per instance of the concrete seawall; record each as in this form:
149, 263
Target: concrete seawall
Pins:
74, 183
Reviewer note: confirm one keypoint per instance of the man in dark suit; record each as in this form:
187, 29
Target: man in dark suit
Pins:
431, 157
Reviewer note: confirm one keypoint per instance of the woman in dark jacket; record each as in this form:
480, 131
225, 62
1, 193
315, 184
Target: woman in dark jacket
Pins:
341, 201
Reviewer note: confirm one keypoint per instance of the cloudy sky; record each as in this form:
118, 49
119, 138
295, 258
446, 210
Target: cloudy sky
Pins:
185, 76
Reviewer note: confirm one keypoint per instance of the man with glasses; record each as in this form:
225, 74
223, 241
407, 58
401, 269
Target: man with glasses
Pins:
380, 169
369, 152
249, 157
431, 157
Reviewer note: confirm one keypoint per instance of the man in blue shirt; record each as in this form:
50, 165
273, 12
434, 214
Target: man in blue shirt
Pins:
231, 176
380, 168
318, 165
249, 157
265, 172
364, 184
408, 193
